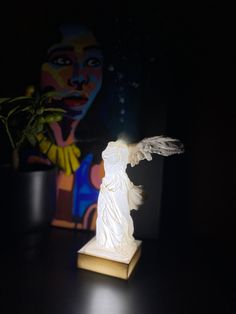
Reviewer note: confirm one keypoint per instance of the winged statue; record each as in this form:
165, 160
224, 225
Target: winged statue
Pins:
118, 195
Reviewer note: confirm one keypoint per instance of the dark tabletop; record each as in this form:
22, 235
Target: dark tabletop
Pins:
167, 279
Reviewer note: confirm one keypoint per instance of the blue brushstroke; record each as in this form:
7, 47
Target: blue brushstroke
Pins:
84, 193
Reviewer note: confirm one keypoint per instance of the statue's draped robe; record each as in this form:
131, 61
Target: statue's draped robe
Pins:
117, 196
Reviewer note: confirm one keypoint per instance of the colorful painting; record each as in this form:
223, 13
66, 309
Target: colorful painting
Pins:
74, 68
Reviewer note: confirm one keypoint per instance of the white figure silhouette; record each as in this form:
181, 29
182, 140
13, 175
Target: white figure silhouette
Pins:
118, 195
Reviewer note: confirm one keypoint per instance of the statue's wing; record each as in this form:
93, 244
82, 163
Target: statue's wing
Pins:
160, 145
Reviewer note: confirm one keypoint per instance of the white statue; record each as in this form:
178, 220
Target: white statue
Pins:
118, 195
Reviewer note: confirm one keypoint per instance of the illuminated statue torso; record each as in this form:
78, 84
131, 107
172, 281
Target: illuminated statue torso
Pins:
118, 195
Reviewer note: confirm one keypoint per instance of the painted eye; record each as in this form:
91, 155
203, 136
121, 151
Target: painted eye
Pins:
93, 62
61, 61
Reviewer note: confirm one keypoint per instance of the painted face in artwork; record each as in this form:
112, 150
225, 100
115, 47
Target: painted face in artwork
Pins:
73, 68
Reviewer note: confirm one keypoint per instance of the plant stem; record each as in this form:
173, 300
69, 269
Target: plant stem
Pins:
15, 159
26, 130
9, 135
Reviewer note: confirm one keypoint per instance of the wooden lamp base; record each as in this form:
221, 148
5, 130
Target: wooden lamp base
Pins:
108, 263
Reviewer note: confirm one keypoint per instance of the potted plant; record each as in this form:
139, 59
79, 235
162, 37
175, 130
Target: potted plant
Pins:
28, 193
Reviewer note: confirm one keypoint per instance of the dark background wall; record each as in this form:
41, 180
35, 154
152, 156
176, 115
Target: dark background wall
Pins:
182, 98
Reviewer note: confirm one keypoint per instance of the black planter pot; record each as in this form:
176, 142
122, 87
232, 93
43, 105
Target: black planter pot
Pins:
27, 204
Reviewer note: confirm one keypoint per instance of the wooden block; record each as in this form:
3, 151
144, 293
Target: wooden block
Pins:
112, 265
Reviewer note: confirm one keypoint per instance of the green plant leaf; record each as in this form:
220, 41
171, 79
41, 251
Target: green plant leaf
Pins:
31, 139
13, 110
27, 108
54, 109
51, 94
19, 98
3, 100
38, 128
